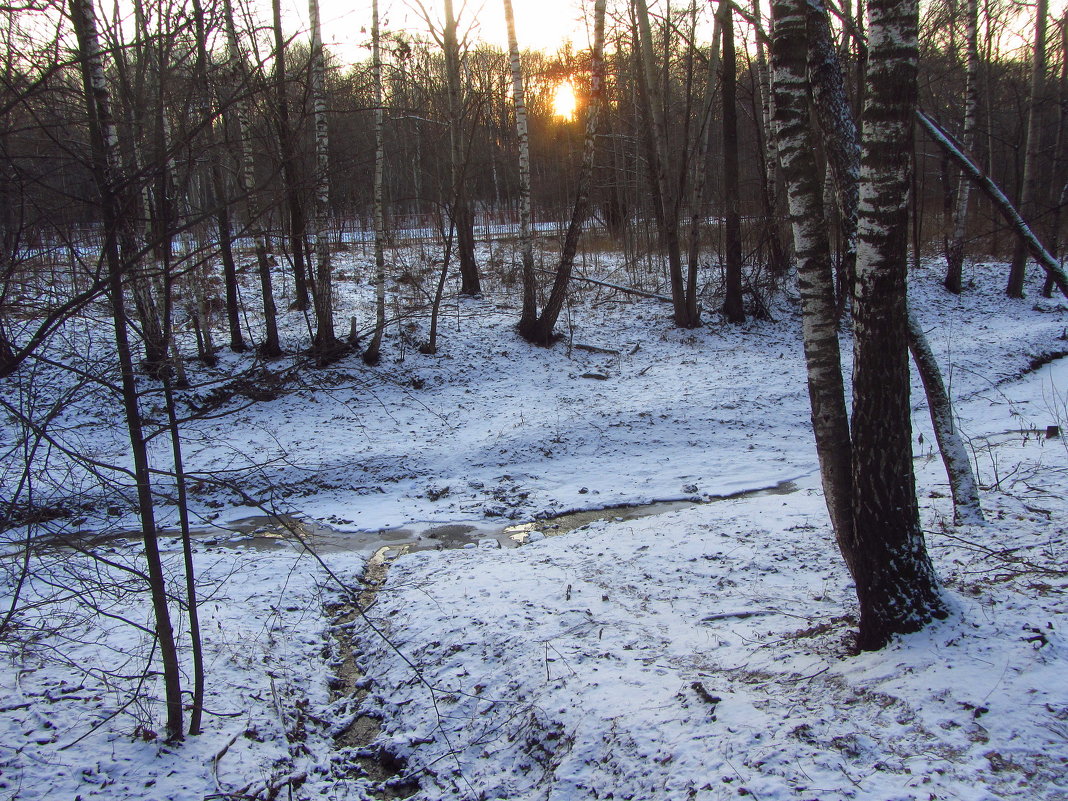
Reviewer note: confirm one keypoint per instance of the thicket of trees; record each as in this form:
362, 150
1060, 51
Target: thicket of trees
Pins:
152, 160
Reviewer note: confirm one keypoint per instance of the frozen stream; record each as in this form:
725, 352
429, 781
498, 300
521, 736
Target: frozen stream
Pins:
271, 531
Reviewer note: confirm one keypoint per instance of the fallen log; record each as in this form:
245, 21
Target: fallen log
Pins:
997, 197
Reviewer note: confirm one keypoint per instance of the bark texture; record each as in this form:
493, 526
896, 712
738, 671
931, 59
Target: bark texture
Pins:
962, 483
895, 580
526, 216
840, 140
830, 421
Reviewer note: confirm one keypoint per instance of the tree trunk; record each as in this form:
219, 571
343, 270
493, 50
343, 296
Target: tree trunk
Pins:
699, 190
840, 140
1046, 260
297, 222
108, 179
373, 352
541, 332
470, 283
526, 217
220, 195
955, 243
962, 483
1060, 160
1028, 205
665, 189
733, 306
830, 422
270, 348
778, 258
895, 581
325, 346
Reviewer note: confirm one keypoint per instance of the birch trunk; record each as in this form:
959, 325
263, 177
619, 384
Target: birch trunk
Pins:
836, 121
1053, 268
955, 243
326, 346
541, 332
526, 217
297, 221
1060, 161
1028, 206
373, 352
895, 581
770, 194
107, 175
962, 483
830, 422
271, 347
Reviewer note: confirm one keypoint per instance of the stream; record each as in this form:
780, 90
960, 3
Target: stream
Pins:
383, 545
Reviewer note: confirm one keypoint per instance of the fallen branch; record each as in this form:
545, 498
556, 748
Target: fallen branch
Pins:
595, 349
626, 289
997, 197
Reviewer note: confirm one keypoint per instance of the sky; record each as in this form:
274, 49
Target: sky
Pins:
540, 24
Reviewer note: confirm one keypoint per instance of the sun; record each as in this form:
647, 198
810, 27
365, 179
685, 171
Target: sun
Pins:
565, 102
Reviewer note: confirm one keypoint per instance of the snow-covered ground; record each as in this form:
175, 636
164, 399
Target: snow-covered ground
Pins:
699, 653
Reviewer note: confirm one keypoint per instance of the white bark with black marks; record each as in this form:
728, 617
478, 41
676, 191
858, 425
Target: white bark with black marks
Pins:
896, 583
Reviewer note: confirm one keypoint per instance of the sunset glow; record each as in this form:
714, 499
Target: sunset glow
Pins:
565, 103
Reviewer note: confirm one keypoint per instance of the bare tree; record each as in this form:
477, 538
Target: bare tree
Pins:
955, 241
107, 171
373, 352
830, 421
896, 583
529, 313
540, 332
270, 348
295, 212
1028, 191
470, 282
733, 306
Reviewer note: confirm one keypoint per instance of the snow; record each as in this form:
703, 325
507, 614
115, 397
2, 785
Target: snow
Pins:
703, 652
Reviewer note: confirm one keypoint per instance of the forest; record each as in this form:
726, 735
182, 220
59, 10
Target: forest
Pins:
679, 413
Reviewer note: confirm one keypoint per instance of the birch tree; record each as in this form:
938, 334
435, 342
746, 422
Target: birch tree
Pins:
295, 212
895, 580
529, 313
830, 422
840, 140
326, 346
